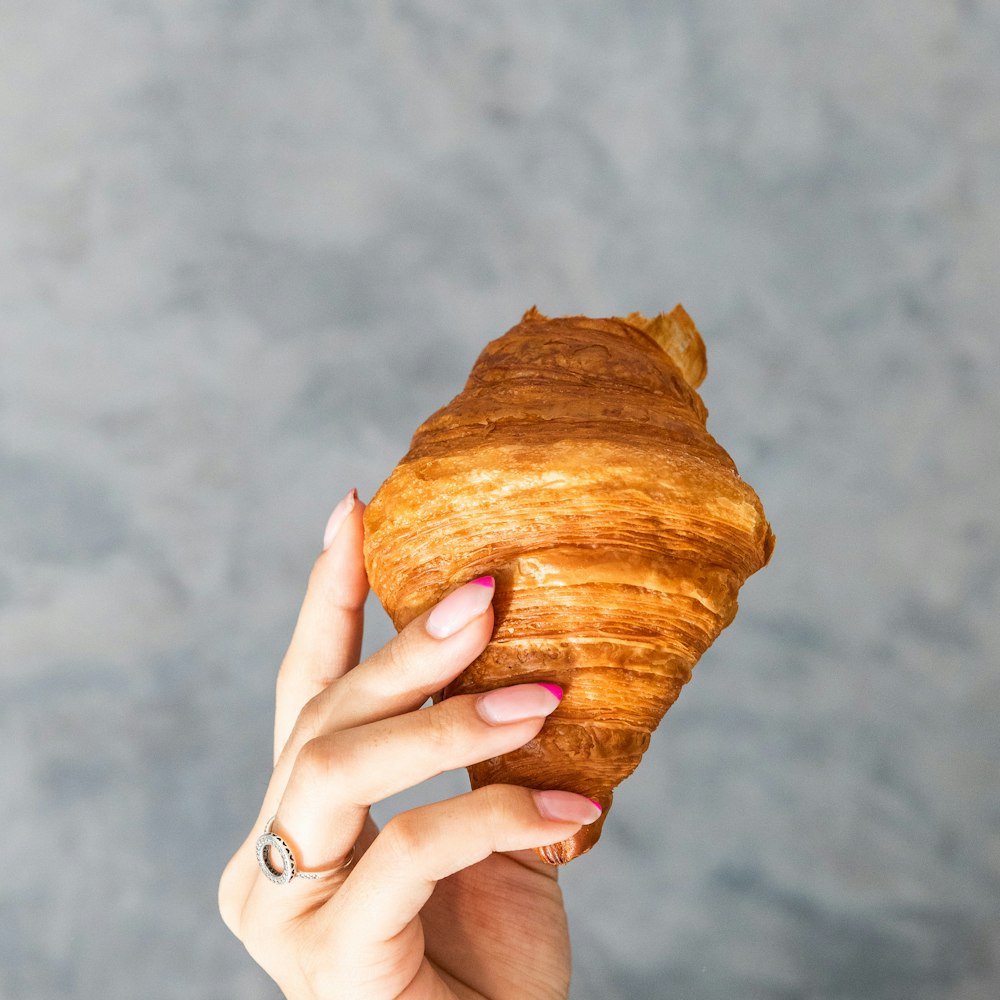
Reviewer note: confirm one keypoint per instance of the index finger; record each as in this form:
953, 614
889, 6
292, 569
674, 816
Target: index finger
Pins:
326, 643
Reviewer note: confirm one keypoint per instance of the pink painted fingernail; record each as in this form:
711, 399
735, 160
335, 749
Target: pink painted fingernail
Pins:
566, 806
337, 518
460, 607
519, 702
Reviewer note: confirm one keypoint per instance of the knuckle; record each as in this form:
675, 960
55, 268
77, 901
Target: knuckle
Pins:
230, 898
498, 808
447, 724
326, 759
229, 910
309, 723
401, 839
496, 800
316, 759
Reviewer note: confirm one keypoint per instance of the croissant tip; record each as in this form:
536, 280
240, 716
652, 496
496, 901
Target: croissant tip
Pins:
564, 851
677, 335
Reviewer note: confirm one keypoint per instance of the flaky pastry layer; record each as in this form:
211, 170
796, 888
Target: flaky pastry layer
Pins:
576, 469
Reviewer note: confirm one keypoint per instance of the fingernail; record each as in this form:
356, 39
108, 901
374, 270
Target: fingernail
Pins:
566, 806
521, 701
460, 607
338, 517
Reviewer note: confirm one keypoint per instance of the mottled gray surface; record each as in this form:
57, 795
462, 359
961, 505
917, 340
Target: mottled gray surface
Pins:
246, 247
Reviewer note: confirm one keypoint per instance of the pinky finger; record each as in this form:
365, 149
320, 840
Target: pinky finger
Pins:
418, 848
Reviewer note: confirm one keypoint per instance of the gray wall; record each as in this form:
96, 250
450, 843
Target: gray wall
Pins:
246, 247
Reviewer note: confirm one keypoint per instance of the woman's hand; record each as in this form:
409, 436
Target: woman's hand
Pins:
447, 901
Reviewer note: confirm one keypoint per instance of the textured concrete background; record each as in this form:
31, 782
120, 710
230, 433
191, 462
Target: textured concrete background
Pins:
246, 247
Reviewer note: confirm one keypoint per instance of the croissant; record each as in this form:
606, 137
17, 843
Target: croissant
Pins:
575, 468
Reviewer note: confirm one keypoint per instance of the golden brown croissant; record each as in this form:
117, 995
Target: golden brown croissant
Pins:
575, 468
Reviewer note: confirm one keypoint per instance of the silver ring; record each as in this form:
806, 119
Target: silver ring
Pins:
269, 843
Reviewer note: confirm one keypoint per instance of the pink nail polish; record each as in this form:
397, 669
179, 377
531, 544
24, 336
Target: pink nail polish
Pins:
566, 807
515, 704
554, 688
459, 608
337, 518
600, 808
484, 581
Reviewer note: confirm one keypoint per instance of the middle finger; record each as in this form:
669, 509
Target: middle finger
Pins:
431, 651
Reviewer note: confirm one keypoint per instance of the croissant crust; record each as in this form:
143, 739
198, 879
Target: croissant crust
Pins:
575, 468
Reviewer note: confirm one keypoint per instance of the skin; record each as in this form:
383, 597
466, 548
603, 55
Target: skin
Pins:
447, 901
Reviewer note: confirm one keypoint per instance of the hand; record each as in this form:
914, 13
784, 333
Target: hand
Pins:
447, 901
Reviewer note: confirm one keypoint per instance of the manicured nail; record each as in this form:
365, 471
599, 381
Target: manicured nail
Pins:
566, 806
338, 517
460, 607
521, 701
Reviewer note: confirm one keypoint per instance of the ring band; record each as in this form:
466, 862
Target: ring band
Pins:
269, 843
